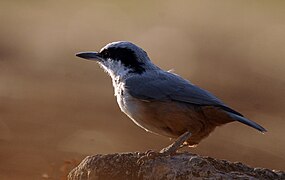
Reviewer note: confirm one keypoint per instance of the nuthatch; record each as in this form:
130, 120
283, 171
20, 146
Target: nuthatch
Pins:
159, 101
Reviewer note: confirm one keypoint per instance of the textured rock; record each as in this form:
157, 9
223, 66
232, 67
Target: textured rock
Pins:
180, 166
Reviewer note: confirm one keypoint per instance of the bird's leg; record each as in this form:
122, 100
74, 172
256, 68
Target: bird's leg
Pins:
172, 148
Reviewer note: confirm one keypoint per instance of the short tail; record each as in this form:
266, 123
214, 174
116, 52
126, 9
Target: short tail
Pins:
247, 122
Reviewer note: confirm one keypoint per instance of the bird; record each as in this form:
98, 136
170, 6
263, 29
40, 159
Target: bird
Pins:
162, 102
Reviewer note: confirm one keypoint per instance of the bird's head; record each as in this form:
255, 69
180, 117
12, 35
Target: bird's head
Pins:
120, 58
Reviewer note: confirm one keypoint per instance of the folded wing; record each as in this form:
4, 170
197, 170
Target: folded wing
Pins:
165, 86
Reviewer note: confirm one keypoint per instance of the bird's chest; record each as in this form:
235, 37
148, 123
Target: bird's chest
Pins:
131, 106
153, 117
127, 104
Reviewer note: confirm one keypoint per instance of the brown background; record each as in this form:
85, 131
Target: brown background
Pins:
55, 108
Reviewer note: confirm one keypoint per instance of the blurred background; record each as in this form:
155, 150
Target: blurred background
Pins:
55, 109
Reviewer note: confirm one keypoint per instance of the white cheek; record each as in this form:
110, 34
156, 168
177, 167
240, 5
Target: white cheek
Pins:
114, 68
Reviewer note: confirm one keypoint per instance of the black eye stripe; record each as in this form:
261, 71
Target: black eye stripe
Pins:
105, 53
126, 56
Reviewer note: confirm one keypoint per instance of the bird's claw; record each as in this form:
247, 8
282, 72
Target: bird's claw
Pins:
148, 155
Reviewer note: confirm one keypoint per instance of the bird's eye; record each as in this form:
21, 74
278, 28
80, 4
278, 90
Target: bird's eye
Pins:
105, 54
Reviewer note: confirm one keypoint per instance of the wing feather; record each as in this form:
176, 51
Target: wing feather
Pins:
166, 86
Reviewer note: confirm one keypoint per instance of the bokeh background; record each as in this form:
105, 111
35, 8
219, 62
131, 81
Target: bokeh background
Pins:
55, 109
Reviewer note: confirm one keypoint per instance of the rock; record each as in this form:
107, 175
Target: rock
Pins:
180, 166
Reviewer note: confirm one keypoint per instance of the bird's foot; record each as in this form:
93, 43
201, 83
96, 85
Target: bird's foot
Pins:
148, 155
168, 151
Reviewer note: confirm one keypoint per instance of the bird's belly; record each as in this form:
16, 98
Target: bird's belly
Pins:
170, 119
142, 116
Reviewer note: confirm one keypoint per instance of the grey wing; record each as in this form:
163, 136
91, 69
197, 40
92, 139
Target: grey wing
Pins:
165, 86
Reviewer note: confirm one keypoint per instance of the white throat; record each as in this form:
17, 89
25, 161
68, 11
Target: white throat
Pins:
117, 71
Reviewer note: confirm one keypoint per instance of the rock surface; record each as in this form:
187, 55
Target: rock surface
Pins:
180, 166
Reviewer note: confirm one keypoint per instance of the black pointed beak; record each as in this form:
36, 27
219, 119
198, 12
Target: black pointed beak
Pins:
89, 55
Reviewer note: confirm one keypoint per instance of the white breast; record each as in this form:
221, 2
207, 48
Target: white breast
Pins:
129, 106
